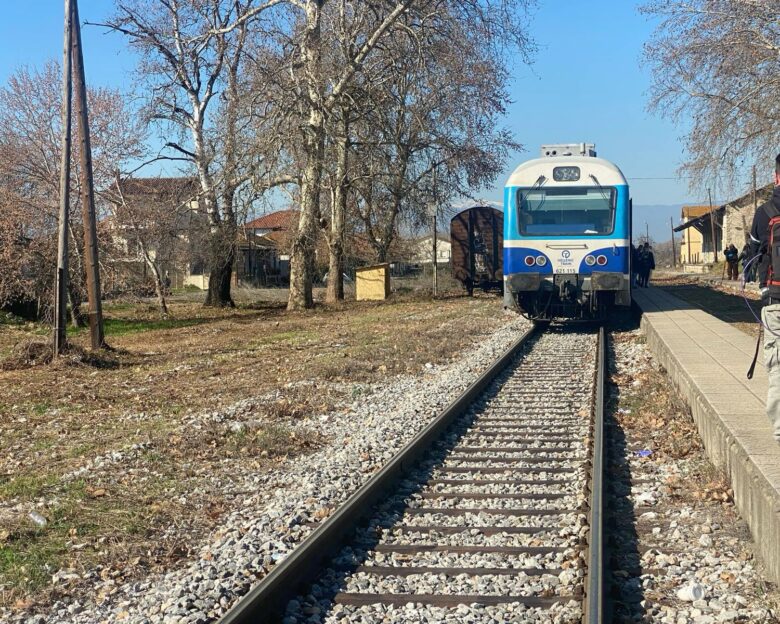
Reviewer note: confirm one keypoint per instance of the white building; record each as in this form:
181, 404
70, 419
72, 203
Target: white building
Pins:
422, 250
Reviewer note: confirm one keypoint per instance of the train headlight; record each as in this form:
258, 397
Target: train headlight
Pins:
541, 260
529, 261
590, 260
601, 260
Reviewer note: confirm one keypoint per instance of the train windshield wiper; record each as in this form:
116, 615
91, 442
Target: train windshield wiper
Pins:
537, 185
602, 189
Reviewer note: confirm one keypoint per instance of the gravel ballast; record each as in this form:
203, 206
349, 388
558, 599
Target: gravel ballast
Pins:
279, 508
681, 553
463, 561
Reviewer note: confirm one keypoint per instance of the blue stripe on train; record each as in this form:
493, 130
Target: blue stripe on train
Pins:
514, 261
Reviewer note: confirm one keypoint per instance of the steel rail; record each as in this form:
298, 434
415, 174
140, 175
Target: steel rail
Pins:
267, 600
594, 582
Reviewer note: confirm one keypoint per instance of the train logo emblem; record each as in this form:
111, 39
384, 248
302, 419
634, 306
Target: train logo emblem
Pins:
566, 258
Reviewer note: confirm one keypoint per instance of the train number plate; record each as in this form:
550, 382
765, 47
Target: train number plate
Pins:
564, 270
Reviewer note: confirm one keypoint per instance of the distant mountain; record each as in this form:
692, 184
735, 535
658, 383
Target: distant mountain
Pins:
657, 219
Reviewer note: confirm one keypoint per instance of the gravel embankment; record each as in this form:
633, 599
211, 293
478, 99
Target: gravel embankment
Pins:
676, 527
278, 507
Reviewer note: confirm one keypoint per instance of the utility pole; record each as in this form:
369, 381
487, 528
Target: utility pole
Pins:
712, 226
647, 233
61, 279
435, 258
755, 193
435, 241
674, 253
87, 187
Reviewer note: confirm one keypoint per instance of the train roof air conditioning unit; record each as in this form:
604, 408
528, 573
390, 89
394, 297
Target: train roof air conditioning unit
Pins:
569, 149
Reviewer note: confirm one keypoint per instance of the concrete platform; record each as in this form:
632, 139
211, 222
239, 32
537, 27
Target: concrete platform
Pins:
707, 359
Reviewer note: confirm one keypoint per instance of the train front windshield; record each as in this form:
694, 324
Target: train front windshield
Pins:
567, 211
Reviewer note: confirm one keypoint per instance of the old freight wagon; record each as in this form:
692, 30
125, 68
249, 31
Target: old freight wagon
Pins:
477, 240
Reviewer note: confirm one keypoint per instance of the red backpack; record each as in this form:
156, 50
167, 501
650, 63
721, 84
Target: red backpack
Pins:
773, 274
773, 270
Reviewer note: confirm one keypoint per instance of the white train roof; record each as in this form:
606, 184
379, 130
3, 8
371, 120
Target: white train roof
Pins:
606, 172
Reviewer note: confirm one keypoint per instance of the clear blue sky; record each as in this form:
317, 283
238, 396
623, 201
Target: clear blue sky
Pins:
31, 34
586, 84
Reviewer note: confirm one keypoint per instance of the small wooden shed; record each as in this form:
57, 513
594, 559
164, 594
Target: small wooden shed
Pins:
477, 248
372, 283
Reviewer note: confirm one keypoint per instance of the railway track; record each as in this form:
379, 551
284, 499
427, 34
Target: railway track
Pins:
491, 514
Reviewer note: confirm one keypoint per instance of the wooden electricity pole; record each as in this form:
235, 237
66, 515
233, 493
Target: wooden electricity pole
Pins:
755, 191
87, 186
435, 259
712, 227
674, 253
61, 279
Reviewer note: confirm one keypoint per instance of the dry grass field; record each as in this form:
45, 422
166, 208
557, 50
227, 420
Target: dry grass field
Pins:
105, 451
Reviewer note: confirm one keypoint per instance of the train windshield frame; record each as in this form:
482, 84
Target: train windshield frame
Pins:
567, 210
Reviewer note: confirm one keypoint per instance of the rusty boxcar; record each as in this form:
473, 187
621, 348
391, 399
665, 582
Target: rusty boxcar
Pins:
477, 241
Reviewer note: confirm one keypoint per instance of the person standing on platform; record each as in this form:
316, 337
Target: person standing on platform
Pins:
744, 259
641, 261
770, 314
634, 266
732, 261
646, 264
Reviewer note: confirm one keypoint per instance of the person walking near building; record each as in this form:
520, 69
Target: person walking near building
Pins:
744, 259
634, 266
646, 264
732, 261
770, 294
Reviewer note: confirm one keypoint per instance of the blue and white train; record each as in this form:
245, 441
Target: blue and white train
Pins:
567, 233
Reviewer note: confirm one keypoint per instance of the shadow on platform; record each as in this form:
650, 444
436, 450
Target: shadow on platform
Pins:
731, 308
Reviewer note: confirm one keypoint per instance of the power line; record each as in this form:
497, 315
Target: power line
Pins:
663, 178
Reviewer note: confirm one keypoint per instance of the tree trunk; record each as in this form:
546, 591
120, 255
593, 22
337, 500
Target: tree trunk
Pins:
339, 209
335, 272
223, 254
76, 317
302, 256
159, 287
221, 241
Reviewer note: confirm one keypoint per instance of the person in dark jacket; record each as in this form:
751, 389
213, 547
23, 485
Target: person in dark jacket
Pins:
732, 261
747, 266
634, 266
646, 265
770, 314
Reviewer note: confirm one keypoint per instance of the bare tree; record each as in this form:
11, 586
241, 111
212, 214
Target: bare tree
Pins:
29, 173
154, 219
319, 93
321, 88
715, 67
314, 33
192, 69
434, 130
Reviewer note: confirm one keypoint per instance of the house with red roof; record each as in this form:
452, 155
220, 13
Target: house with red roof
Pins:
264, 258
